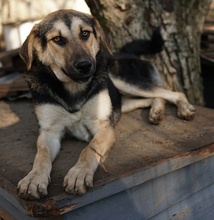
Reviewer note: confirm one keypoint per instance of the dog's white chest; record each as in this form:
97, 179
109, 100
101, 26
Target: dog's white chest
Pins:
93, 113
83, 124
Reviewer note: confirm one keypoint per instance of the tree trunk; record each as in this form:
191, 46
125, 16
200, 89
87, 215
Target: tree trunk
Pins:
181, 25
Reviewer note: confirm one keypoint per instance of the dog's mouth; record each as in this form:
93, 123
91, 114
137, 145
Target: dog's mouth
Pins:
82, 79
81, 72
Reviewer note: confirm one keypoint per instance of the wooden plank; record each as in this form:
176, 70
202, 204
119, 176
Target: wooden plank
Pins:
165, 197
13, 83
196, 207
9, 54
143, 152
161, 192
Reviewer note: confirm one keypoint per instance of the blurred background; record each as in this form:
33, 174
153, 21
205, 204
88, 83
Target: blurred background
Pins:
18, 16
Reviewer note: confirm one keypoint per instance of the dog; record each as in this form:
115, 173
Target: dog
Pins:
79, 89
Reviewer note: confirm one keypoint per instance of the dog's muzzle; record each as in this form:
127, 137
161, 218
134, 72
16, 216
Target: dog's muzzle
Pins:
84, 67
81, 71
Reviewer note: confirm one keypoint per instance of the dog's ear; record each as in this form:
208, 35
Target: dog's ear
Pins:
27, 48
102, 35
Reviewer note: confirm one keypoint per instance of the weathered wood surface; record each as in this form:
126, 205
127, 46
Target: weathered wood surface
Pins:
142, 153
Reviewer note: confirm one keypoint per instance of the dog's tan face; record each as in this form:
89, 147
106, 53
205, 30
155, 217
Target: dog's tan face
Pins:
68, 43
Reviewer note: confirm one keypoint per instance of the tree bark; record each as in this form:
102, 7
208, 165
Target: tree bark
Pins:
181, 25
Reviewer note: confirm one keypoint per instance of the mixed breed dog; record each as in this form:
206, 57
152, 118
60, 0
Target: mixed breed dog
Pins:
79, 88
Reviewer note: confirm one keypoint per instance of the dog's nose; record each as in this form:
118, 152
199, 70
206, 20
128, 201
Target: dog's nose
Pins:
83, 66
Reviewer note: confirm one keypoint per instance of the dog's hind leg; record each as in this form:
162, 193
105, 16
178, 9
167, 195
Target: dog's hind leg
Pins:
185, 109
157, 107
157, 110
130, 104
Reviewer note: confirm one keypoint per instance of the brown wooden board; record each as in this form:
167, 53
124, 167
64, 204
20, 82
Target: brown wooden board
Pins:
140, 147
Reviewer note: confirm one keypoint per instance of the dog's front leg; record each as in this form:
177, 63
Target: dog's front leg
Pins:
81, 175
34, 185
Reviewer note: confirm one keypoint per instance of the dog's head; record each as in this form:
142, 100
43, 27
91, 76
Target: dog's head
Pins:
67, 41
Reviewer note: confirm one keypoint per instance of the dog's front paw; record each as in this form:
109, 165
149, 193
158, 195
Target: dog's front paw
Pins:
186, 110
78, 179
33, 186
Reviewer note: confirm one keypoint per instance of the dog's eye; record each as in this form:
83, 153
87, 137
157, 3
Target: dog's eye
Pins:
59, 40
56, 39
85, 35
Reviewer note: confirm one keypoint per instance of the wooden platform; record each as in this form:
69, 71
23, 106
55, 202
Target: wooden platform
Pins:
153, 172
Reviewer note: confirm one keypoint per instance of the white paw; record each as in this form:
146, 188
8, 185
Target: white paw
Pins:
78, 179
186, 110
33, 186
